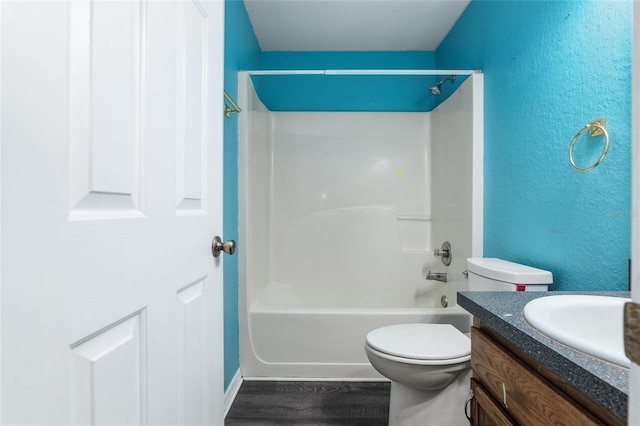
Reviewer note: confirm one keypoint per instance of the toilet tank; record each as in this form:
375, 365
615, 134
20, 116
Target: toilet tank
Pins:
491, 274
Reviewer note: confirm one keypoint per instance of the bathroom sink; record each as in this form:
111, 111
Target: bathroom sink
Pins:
588, 323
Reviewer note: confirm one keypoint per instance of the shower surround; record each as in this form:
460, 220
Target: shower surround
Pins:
340, 213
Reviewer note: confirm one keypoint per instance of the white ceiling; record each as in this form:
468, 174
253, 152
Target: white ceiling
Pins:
352, 25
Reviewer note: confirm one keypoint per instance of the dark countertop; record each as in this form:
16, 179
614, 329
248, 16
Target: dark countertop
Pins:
603, 382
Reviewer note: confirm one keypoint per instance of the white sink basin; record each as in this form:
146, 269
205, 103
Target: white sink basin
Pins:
590, 324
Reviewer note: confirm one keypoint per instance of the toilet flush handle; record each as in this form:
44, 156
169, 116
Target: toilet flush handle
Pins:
444, 252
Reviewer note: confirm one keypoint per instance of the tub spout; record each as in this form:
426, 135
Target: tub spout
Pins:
437, 276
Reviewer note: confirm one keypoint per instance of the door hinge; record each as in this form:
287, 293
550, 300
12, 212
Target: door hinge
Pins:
632, 331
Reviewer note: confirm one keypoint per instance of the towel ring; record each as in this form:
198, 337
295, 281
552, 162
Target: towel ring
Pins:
588, 126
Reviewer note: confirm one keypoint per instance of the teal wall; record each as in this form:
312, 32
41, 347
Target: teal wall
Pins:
550, 67
241, 52
347, 60
346, 93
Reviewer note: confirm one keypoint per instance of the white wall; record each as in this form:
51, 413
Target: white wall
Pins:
457, 179
339, 205
343, 186
254, 149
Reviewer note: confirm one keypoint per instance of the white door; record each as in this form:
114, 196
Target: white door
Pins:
111, 302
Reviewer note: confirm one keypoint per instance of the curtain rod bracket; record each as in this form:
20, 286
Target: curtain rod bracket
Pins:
229, 109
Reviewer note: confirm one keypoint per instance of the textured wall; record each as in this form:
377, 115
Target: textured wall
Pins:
241, 51
550, 67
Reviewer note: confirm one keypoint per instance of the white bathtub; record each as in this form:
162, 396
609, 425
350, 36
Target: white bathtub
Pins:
316, 342
339, 216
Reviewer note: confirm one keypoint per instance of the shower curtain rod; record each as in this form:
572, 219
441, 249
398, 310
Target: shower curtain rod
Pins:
362, 72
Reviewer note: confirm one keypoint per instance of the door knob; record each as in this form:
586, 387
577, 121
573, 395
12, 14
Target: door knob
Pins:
218, 246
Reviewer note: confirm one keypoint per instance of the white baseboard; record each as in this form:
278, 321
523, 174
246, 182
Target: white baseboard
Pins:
232, 391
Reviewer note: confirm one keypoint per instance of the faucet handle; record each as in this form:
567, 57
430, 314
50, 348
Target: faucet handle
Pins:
444, 252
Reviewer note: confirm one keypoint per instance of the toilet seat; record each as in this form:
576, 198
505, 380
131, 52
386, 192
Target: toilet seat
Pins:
426, 344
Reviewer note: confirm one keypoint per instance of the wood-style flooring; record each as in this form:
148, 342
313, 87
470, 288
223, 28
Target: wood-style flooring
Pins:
267, 403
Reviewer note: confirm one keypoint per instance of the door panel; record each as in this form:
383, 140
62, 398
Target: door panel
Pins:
108, 375
192, 111
106, 81
191, 329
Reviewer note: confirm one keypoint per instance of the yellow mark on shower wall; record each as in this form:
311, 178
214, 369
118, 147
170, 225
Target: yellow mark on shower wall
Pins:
399, 174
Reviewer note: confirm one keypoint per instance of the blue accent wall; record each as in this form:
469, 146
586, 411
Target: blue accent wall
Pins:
550, 67
346, 93
347, 60
241, 52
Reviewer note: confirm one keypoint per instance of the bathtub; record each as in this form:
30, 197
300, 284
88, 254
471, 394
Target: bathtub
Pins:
323, 342
327, 254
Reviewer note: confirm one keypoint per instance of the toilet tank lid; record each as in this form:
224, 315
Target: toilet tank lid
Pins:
503, 270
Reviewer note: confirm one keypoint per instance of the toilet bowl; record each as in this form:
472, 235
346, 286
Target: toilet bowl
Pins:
428, 365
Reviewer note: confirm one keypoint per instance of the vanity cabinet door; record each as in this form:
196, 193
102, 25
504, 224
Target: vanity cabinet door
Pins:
527, 397
484, 410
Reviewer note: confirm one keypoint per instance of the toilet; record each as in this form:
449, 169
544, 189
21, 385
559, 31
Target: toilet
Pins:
429, 364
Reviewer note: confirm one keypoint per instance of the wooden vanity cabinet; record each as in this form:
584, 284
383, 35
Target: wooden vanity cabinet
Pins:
510, 388
485, 411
